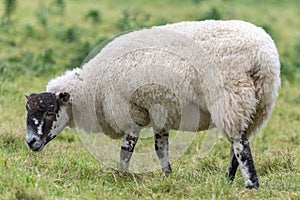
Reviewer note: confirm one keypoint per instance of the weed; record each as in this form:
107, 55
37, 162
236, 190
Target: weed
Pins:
162, 21
70, 34
198, 1
288, 71
270, 31
213, 13
29, 31
79, 55
94, 16
44, 63
42, 15
59, 6
132, 19
290, 64
296, 54
9, 9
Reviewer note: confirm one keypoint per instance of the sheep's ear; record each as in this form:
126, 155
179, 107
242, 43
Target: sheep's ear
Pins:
63, 97
27, 96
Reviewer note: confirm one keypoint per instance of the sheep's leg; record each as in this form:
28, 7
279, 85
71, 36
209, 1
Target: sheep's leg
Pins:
233, 165
127, 148
162, 150
243, 154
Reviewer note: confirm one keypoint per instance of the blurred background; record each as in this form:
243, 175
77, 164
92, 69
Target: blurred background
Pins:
40, 39
46, 37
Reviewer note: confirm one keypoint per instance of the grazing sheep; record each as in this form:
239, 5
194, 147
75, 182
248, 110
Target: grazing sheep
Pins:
184, 76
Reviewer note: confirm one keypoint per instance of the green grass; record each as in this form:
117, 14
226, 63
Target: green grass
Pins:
31, 54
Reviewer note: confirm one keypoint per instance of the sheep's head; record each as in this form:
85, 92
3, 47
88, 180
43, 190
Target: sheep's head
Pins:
46, 117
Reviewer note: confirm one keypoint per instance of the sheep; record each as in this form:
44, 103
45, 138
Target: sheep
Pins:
183, 76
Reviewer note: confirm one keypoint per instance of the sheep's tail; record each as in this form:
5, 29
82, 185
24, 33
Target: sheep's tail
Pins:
266, 76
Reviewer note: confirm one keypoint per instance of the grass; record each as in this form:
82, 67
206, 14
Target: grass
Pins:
32, 53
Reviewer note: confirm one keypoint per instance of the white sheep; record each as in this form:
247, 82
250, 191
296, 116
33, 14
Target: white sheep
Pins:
182, 76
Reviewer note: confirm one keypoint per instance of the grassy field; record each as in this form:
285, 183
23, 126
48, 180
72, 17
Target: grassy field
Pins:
41, 39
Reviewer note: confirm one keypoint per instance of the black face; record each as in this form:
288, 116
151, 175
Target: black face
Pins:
42, 112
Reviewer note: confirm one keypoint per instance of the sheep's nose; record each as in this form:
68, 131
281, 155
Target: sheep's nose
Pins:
31, 142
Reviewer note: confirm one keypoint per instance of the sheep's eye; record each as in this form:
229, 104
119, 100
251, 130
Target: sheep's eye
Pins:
51, 110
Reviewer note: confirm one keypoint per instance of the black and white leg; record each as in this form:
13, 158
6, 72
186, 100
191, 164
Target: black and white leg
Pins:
233, 165
127, 147
243, 154
161, 138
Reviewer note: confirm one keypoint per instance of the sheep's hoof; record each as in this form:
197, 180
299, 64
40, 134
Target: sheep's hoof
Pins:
251, 185
167, 170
